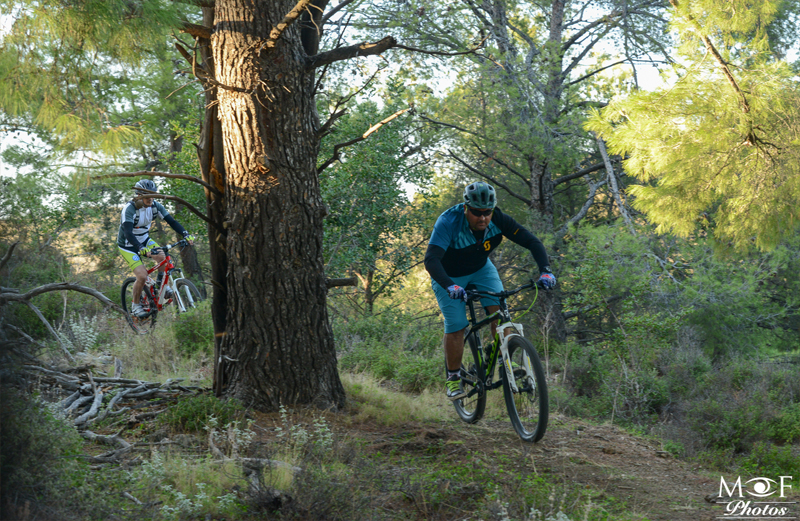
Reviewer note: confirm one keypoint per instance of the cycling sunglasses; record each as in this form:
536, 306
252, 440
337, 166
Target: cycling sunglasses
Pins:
480, 213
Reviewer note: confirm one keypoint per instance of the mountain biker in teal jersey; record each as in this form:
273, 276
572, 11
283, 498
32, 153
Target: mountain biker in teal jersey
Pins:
458, 254
133, 239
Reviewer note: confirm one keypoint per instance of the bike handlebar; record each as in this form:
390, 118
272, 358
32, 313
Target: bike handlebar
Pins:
475, 295
165, 249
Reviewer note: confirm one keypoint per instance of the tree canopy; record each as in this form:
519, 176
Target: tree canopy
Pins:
716, 148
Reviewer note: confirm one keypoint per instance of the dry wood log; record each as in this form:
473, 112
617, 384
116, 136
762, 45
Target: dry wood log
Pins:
79, 402
114, 439
127, 495
98, 400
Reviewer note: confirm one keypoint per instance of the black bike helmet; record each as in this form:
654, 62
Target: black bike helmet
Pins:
145, 184
480, 196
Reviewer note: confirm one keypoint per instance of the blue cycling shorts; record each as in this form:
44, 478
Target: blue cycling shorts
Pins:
455, 311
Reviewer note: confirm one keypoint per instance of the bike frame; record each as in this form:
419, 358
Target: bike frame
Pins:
169, 280
497, 347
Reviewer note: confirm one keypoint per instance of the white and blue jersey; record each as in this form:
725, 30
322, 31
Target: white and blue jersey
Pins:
135, 222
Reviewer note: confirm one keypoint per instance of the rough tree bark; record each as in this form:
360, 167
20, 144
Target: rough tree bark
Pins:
278, 347
212, 169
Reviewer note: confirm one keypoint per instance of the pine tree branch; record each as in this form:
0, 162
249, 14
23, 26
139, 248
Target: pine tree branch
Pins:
337, 283
49, 328
374, 128
713, 51
188, 205
326, 128
580, 104
335, 10
7, 256
579, 173
336, 113
352, 51
612, 179
559, 235
198, 31
502, 163
590, 74
439, 53
288, 20
495, 181
199, 3
450, 125
164, 174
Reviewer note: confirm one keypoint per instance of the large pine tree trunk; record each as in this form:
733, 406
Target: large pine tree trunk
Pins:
278, 342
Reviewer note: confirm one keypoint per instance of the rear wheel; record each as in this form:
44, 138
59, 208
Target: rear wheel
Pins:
528, 407
471, 408
140, 325
188, 293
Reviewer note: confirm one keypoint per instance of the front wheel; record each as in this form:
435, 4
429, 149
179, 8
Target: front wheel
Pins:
188, 295
470, 408
144, 324
528, 407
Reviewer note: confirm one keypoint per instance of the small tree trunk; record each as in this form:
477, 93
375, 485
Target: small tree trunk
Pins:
369, 297
212, 169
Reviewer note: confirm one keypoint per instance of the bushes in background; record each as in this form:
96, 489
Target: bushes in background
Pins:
392, 346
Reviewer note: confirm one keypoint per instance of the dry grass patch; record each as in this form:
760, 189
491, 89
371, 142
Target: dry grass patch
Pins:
374, 402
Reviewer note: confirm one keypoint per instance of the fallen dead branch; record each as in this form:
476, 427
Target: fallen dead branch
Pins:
89, 393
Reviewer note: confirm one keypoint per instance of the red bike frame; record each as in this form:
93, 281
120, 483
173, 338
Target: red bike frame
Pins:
168, 265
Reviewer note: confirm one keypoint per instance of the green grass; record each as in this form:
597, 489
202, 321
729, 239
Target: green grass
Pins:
194, 413
375, 402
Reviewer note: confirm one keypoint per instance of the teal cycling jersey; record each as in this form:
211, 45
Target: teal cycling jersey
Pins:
455, 250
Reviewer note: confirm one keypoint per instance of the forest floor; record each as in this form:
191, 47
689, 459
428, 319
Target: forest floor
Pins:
628, 476
365, 467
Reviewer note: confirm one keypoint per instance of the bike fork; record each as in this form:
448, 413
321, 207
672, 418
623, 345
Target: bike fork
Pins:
504, 351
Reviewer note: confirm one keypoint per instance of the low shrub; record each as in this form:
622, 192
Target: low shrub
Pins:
189, 487
194, 413
767, 459
194, 331
41, 476
391, 346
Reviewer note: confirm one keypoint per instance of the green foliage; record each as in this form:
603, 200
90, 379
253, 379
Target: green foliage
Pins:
767, 459
637, 292
194, 413
708, 153
373, 229
39, 470
68, 70
785, 427
390, 346
194, 331
733, 405
26, 270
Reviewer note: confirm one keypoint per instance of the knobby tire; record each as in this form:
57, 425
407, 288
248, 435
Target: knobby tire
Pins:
139, 325
528, 408
185, 286
471, 409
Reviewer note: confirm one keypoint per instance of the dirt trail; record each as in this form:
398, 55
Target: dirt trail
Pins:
652, 482
628, 474
633, 470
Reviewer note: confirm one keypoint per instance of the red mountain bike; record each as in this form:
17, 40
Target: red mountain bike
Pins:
153, 299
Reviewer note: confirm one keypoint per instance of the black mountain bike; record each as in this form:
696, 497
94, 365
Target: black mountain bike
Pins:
521, 373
